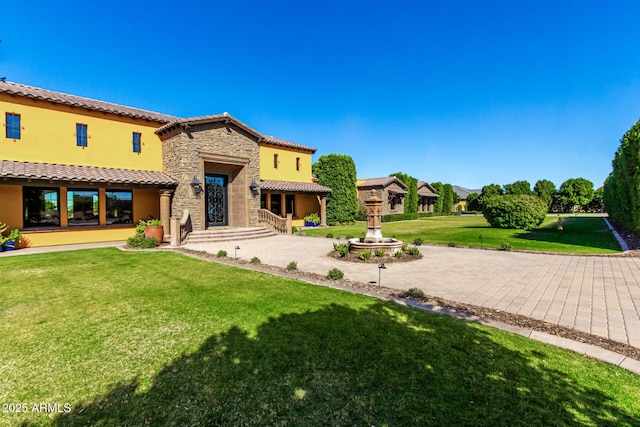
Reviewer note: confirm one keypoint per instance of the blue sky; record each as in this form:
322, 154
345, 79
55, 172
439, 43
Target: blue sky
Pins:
463, 92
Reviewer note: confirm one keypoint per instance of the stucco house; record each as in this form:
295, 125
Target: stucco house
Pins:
463, 193
75, 170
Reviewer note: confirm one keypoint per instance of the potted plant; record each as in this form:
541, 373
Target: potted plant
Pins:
312, 220
153, 228
11, 240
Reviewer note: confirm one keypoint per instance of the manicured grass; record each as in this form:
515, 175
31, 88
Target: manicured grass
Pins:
581, 235
155, 338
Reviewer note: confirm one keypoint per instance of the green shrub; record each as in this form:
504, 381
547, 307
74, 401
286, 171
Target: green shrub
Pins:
292, 266
294, 229
329, 235
505, 246
138, 241
417, 241
349, 236
414, 251
452, 244
338, 172
519, 212
335, 274
341, 248
414, 293
405, 246
400, 217
364, 255
255, 260
399, 254
221, 253
379, 252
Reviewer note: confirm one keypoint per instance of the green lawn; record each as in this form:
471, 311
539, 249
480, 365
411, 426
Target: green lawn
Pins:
156, 338
581, 235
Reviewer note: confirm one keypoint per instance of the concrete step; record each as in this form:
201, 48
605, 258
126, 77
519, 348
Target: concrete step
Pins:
227, 234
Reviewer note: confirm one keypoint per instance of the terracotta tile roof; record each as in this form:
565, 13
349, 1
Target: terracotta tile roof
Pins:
397, 191
47, 171
213, 118
294, 187
80, 102
381, 183
426, 190
284, 143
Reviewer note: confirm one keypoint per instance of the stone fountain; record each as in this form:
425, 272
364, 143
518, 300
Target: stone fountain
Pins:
373, 239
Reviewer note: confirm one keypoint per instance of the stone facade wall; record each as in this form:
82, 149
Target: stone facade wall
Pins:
384, 194
213, 148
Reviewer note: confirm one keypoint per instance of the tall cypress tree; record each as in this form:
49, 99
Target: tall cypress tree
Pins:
338, 172
621, 196
411, 201
437, 206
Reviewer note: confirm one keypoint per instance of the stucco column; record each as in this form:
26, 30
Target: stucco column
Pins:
323, 211
175, 231
165, 211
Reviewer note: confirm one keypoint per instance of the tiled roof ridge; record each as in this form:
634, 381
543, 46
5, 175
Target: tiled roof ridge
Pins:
33, 92
382, 181
208, 119
61, 172
286, 143
299, 187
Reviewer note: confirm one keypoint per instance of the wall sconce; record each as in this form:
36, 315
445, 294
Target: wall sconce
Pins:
254, 187
196, 186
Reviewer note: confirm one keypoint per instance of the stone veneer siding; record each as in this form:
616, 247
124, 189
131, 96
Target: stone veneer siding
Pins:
383, 193
213, 148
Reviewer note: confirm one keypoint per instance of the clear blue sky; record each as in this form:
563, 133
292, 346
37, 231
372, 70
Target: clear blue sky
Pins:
465, 92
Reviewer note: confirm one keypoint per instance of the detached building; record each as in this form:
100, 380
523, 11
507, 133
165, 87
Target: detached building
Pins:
390, 189
76, 170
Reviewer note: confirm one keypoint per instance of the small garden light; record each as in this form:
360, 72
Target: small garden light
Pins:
381, 267
235, 252
480, 237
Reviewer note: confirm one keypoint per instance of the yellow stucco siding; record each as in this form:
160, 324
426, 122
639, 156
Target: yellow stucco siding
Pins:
37, 238
11, 205
307, 204
287, 161
145, 203
48, 135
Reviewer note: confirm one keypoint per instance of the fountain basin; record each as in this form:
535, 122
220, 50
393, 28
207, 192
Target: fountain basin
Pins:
389, 245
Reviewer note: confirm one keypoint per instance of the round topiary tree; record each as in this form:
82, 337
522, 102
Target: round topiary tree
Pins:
523, 212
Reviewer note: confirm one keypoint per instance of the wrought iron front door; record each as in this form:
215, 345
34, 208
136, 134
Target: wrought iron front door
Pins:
216, 190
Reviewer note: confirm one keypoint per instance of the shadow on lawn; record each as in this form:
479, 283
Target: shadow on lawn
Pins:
339, 366
575, 233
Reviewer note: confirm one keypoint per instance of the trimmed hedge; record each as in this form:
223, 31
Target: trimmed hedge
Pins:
338, 172
519, 212
621, 195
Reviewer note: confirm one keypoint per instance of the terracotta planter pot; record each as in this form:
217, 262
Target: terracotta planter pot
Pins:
155, 231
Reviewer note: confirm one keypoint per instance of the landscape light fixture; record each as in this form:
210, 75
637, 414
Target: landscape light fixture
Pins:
235, 252
196, 186
381, 267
